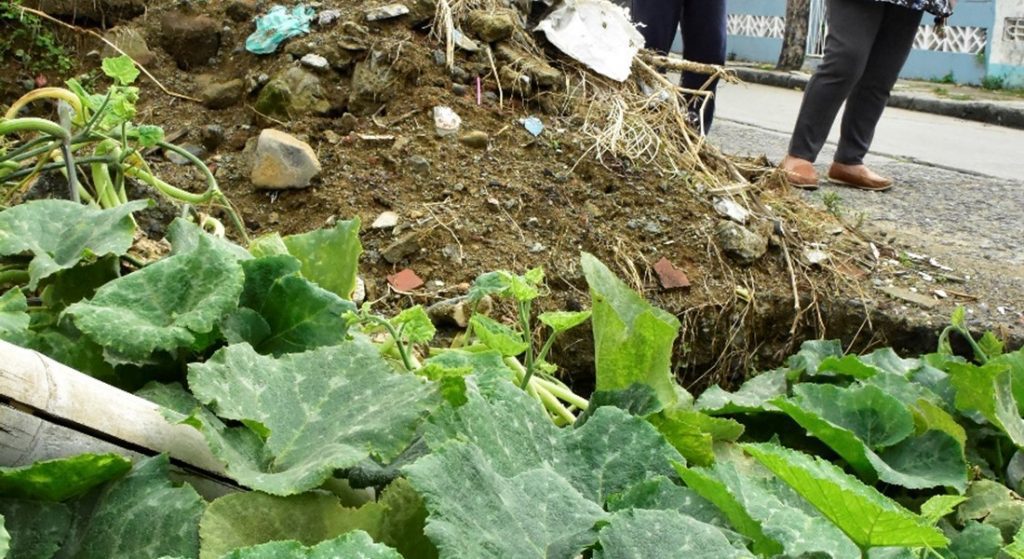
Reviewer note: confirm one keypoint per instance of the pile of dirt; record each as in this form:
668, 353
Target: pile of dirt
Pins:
495, 196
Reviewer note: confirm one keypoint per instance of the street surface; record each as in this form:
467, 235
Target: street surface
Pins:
959, 194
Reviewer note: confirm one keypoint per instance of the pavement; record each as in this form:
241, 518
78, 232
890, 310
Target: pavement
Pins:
959, 197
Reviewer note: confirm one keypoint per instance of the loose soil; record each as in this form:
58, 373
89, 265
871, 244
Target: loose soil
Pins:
521, 202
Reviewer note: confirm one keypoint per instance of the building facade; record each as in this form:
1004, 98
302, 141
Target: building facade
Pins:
984, 40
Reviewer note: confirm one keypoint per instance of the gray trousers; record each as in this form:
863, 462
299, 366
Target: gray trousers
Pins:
867, 45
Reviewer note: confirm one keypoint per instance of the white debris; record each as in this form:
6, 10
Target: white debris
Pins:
597, 33
940, 293
731, 210
359, 293
328, 17
386, 220
446, 121
315, 61
815, 256
464, 42
387, 12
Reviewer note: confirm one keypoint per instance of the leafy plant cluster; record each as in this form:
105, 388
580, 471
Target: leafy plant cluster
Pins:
26, 40
358, 435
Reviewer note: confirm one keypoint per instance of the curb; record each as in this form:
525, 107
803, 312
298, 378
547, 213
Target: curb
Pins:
980, 111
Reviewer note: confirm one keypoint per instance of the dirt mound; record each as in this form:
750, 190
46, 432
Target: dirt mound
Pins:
497, 196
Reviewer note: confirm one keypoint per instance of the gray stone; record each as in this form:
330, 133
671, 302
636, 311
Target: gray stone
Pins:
405, 246
179, 159
315, 61
283, 161
386, 220
347, 123
190, 40
221, 95
740, 243
387, 12
212, 136
132, 42
372, 85
475, 139
419, 165
292, 93
492, 26
241, 10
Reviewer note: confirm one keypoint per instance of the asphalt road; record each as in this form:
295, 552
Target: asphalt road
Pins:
959, 196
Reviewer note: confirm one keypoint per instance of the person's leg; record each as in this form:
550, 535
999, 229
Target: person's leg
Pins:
853, 28
869, 97
660, 19
704, 36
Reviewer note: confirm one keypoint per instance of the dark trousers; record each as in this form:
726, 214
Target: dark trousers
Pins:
703, 23
867, 45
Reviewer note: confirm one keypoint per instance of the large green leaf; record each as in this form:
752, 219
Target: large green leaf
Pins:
37, 528
140, 515
283, 312
13, 312
512, 431
476, 511
876, 418
355, 545
975, 541
165, 306
812, 353
247, 519
768, 512
632, 340
988, 390
693, 433
59, 234
318, 411
753, 396
866, 516
661, 493
652, 534
993, 503
330, 257
58, 480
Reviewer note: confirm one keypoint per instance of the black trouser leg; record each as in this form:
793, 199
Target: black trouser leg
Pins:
870, 95
704, 37
853, 29
661, 21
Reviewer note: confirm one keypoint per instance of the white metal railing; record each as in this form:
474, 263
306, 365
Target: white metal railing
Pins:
817, 29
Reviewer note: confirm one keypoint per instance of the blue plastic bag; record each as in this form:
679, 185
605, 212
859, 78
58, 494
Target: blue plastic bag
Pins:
278, 25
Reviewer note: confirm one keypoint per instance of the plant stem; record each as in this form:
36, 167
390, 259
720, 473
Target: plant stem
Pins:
524, 323
13, 277
562, 393
396, 336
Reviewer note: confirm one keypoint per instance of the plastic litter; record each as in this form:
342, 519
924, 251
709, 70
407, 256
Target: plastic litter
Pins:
533, 125
278, 25
446, 121
595, 32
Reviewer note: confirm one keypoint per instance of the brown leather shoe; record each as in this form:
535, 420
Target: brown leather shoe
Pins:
800, 172
858, 176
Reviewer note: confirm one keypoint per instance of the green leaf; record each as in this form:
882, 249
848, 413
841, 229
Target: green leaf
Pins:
165, 306
526, 287
61, 479
975, 541
885, 360
325, 409
663, 534
356, 545
993, 503
632, 340
330, 257
847, 365
5, 539
811, 354
247, 519
876, 418
497, 336
988, 390
563, 321
404, 521
271, 244
476, 511
13, 312
140, 515
185, 237
149, 135
959, 318
81, 282
661, 493
940, 506
693, 433
513, 432
753, 396
122, 69
491, 283
60, 234
283, 312
866, 516
37, 528
415, 325
931, 459
1016, 548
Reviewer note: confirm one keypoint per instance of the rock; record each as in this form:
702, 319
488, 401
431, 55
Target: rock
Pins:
282, 161
328, 17
909, 296
740, 243
452, 253
241, 10
439, 57
730, 209
348, 123
212, 136
102, 12
337, 56
419, 165
420, 12
405, 281
491, 26
132, 42
458, 310
539, 71
359, 293
372, 85
537, 248
221, 95
315, 61
293, 93
190, 40
352, 36
464, 42
669, 276
332, 137
179, 159
387, 12
475, 139
386, 220
446, 121
403, 247
815, 256
460, 89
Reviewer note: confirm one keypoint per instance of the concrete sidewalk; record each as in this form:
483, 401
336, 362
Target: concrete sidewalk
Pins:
914, 96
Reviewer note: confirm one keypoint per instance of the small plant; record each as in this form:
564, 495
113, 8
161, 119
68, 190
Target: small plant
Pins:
25, 39
833, 202
993, 83
948, 78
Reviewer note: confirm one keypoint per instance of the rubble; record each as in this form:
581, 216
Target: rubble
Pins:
283, 161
